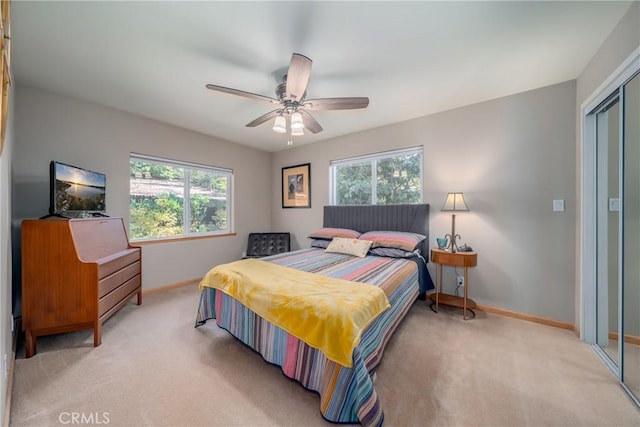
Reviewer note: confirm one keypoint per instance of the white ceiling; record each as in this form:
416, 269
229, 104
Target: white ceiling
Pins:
410, 58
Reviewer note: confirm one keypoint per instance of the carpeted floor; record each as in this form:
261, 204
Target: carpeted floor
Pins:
155, 369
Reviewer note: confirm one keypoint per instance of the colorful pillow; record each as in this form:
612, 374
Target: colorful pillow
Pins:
328, 233
355, 247
320, 243
394, 239
392, 252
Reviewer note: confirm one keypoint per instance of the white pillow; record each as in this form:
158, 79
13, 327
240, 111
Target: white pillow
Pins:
355, 247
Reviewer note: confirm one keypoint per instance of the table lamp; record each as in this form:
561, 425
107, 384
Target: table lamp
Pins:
454, 203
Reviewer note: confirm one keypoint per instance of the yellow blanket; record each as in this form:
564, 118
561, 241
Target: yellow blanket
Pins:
326, 313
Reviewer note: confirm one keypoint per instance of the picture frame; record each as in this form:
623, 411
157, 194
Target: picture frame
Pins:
296, 186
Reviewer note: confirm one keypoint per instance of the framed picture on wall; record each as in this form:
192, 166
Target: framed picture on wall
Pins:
296, 186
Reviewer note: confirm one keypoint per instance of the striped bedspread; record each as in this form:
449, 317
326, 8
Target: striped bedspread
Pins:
346, 394
327, 313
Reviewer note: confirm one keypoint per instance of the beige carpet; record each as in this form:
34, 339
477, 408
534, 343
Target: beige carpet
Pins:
155, 369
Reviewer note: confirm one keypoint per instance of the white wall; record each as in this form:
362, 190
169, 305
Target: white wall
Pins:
52, 127
616, 48
511, 157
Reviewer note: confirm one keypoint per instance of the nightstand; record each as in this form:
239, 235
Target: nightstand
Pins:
455, 259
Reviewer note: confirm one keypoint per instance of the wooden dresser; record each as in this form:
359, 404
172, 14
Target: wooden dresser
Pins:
76, 273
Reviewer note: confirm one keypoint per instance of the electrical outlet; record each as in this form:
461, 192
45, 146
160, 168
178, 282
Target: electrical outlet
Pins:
460, 285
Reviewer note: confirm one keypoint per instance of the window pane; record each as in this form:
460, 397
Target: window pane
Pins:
156, 200
353, 184
170, 198
208, 198
390, 177
398, 179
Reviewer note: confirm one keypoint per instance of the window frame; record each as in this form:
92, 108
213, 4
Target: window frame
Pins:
373, 158
187, 167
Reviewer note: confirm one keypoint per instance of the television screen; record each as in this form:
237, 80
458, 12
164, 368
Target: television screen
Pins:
76, 191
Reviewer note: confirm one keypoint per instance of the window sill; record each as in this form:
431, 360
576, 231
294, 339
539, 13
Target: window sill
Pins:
177, 239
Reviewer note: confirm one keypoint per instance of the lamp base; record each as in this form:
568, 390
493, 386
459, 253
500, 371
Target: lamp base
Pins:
453, 246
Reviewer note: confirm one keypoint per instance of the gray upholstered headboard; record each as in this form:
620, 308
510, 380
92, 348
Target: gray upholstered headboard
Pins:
414, 218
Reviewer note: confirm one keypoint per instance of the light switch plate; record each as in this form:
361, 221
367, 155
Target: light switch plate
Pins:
558, 205
614, 205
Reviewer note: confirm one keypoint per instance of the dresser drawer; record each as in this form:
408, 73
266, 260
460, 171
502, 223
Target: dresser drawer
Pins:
116, 279
114, 262
118, 294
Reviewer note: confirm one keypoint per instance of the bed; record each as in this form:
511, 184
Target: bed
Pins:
346, 390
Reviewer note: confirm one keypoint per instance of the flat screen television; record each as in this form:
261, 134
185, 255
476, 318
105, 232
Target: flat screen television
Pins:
76, 192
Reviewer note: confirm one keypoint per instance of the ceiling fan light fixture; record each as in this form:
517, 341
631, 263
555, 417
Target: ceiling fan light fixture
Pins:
280, 124
291, 96
296, 121
297, 132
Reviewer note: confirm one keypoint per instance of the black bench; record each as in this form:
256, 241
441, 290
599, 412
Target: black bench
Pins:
265, 244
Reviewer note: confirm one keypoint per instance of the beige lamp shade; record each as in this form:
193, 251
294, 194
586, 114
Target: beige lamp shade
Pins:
455, 202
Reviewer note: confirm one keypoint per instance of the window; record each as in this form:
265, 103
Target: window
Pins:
169, 198
379, 179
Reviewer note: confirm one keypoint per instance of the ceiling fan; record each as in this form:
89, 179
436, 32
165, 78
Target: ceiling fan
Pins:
291, 100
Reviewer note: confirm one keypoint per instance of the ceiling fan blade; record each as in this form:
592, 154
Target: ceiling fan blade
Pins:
298, 76
310, 123
242, 93
264, 118
336, 103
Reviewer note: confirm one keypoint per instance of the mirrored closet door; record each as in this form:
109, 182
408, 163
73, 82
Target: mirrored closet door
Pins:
630, 365
617, 218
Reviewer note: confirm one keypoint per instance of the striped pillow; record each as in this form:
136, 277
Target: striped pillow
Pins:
328, 233
394, 239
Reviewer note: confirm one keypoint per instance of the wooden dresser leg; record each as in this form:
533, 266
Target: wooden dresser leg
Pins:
30, 344
140, 296
97, 334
